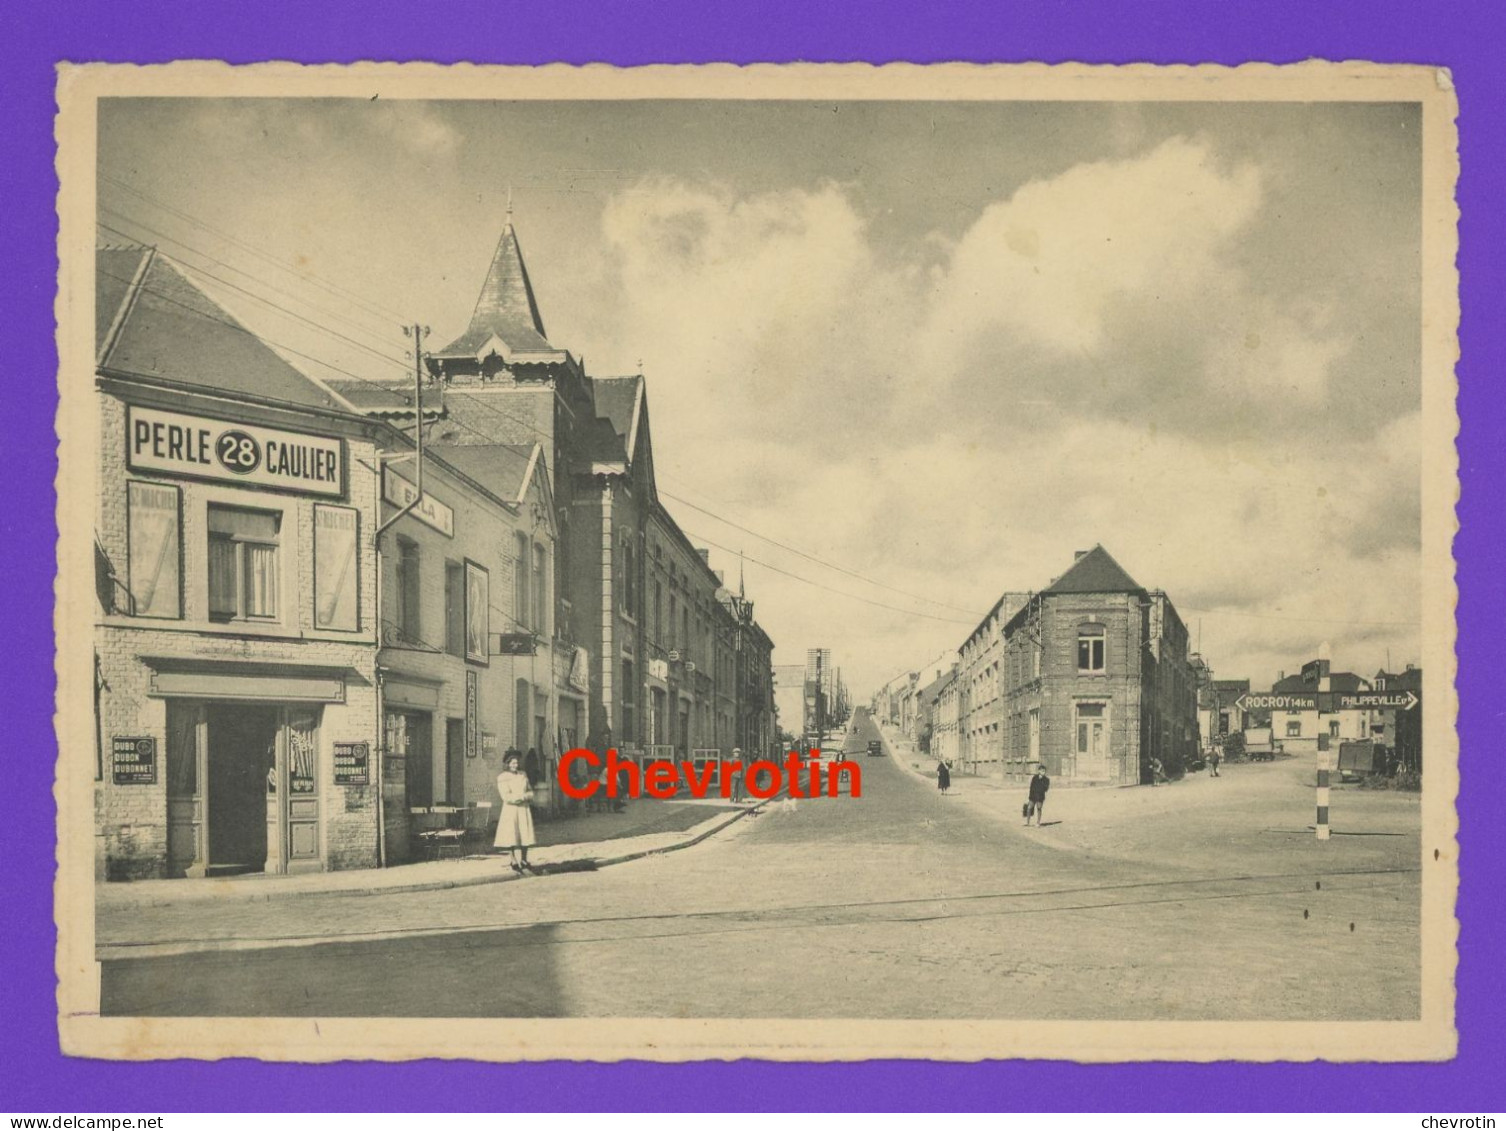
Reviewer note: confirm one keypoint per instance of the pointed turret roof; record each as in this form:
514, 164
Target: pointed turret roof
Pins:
505, 311
1095, 572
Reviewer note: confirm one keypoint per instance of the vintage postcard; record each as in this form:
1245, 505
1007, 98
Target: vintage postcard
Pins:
809, 562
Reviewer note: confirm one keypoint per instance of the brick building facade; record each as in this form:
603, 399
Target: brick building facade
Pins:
631, 587
1097, 682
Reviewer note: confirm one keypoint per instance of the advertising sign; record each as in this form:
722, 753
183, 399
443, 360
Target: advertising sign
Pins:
199, 447
352, 763
134, 760
472, 714
335, 567
430, 511
477, 613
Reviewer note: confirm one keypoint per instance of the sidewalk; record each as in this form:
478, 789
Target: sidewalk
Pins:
1254, 815
644, 827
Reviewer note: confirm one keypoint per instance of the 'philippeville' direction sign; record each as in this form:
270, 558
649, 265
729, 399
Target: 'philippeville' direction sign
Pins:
1377, 700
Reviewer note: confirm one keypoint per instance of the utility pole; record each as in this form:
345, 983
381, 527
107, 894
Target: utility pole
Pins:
417, 333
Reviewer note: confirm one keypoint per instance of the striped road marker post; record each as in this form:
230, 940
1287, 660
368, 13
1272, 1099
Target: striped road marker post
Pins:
1325, 757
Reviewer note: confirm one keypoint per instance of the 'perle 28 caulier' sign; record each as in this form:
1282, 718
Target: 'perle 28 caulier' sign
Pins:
198, 447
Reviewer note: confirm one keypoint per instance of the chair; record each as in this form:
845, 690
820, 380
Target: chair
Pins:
477, 818
449, 835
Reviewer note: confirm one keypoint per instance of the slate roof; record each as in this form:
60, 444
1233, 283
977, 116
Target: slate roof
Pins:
616, 399
380, 398
1095, 572
500, 468
506, 307
1407, 680
1229, 690
170, 329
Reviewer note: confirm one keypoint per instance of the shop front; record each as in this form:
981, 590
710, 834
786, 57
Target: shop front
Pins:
248, 766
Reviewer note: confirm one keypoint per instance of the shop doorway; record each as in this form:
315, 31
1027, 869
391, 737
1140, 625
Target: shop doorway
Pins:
242, 788
242, 761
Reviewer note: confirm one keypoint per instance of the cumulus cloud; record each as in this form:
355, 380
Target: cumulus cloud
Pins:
1046, 263
1090, 361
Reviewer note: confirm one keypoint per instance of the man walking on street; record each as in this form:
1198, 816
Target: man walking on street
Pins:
737, 776
1214, 757
1038, 787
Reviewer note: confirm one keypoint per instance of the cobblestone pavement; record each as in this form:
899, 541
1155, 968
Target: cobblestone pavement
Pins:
896, 904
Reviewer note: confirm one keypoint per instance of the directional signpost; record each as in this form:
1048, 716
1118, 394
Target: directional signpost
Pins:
1329, 701
1378, 700
1324, 702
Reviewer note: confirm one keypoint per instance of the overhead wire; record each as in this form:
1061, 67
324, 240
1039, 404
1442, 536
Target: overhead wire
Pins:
399, 362
828, 588
370, 305
159, 234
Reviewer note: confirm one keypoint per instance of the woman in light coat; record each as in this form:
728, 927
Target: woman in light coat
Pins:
515, 827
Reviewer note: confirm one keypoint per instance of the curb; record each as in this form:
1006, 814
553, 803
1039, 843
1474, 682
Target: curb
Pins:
693, 838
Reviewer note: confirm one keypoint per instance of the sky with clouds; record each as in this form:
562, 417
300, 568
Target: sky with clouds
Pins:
939, 345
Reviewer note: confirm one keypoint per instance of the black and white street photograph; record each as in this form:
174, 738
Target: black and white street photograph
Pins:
796, 561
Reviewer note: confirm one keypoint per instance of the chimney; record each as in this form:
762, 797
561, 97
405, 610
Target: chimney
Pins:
705, 555
1280, 676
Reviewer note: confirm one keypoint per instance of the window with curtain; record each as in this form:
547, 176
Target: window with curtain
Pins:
244, 564
409, 623
541, 589
520, 582
629, 731
454, 608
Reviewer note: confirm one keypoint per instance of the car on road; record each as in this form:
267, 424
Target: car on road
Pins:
875, 749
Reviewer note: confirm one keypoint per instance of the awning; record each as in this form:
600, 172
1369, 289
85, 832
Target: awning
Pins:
179, 677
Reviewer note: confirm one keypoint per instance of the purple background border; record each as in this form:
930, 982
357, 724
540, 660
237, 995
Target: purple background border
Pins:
1467, 37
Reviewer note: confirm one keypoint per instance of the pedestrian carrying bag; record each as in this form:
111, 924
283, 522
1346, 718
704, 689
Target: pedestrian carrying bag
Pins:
1028, 809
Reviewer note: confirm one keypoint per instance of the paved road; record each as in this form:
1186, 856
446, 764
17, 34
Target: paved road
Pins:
896, 904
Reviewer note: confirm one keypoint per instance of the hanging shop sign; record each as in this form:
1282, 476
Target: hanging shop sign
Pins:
515, 644
200, 447
352, 763
429, 511
580, 670
134, 760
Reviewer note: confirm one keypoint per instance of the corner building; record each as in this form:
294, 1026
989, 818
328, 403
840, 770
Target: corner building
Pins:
1097, 680
235, 619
